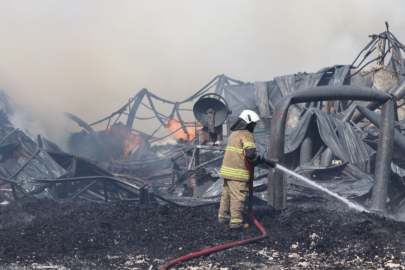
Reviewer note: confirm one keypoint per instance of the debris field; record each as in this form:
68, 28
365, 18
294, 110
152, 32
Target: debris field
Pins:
88, 235
120, 198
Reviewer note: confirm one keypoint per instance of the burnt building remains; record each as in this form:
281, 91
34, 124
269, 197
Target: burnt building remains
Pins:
343, 127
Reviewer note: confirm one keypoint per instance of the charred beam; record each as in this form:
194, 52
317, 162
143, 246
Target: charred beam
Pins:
154, 110
84, 189
138, 99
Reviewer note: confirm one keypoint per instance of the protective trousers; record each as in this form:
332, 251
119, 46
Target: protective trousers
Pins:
233, 199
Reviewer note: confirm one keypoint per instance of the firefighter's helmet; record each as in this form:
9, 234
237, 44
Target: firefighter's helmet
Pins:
249, 116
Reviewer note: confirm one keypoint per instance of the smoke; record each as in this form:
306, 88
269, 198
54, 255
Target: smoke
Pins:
89, 57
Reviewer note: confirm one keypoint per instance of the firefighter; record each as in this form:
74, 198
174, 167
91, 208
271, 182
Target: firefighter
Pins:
234, 170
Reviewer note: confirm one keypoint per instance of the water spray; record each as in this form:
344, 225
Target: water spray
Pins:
306, 180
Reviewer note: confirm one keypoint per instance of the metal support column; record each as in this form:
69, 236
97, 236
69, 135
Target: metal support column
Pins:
384, 157
306, 150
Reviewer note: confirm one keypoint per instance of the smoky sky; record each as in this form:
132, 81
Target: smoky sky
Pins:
88, 57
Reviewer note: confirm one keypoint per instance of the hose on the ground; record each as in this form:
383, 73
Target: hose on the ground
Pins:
226, 246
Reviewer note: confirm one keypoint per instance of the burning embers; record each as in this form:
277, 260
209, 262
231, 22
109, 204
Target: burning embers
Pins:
131, 141
131, 144
179, 132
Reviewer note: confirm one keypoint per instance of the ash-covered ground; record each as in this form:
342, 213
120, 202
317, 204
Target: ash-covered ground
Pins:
44, 234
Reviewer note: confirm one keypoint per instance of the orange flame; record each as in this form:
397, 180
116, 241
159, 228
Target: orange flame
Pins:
174, 125
131, 145
131, 141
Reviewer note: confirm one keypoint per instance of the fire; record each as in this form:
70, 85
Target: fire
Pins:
174, 125
131, 141
131, 144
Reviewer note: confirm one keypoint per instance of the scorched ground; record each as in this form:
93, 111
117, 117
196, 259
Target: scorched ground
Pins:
84, 235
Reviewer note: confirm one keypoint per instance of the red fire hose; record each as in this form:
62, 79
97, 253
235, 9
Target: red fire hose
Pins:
226, 246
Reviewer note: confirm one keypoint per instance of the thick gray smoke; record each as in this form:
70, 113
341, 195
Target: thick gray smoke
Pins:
90, 57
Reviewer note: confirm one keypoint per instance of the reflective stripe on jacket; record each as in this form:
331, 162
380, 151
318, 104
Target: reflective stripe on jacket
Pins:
233, 165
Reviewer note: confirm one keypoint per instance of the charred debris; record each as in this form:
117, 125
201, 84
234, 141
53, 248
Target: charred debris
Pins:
343, 127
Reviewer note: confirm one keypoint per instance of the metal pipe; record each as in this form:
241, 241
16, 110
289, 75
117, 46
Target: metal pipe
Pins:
132, 112
327, 158
154, 110
13, 192
277, 181
349, 114
306, 149
339, 92
384, 157
73, 179
399, 139
321, 149
207, 162
84, 189
397, 90
191, 161
39, 141
220, 85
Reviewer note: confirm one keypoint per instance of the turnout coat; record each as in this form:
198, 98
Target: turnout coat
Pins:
233, 165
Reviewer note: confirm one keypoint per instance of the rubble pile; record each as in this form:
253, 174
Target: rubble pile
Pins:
334, 142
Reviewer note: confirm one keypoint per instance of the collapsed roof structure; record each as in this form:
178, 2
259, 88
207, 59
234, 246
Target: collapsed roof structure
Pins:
325, 125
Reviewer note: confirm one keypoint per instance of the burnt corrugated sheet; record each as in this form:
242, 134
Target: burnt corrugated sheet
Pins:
22, 161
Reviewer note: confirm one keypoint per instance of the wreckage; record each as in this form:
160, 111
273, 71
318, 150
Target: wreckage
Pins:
342, 127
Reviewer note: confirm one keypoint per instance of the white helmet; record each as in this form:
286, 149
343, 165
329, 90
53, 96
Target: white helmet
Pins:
249, 116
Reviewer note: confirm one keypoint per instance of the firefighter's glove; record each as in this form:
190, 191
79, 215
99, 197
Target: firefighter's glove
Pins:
261, 160
271, 163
